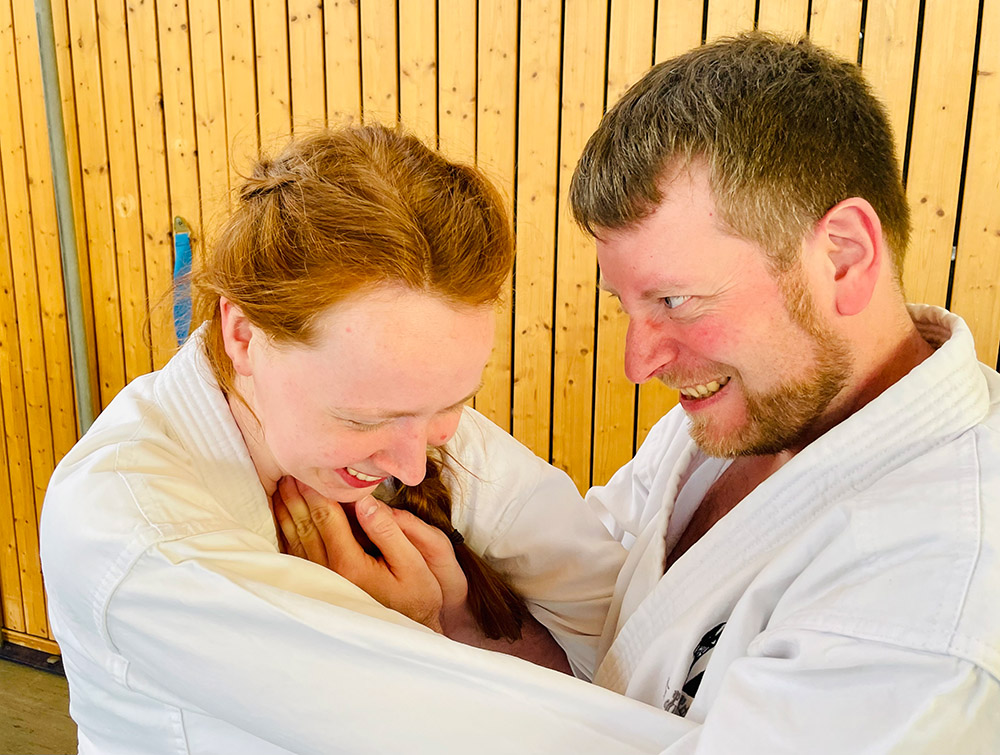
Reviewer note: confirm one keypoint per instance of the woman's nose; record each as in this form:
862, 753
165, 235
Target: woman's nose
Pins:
406, 458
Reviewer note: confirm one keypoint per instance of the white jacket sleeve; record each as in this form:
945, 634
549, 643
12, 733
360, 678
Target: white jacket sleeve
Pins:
291, 653
529, 521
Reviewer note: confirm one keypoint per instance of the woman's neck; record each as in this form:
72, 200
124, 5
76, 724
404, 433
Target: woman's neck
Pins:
253, 435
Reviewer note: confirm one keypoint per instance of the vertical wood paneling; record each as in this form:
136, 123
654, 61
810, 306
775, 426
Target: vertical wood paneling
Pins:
496, 134
23, 372
836, 24
379, 70
60, 22
938, 143
537, 160
239, 75
418, 68
210, 110
341, 27
97, 200
15, 467
274, 98
129, 247
889, 48
58, 377
178, 113
788, 18
457, 81
976, 292
630, 54
147, 96
165, 103
726, 17
576, 271
678, 27
305, 48
11, 605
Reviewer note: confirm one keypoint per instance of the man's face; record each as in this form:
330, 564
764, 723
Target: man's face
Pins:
387, 377
754, 362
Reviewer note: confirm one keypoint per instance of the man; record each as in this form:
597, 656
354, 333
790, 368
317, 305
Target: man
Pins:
814, 531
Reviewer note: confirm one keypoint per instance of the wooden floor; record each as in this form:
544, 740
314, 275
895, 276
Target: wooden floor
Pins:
34, 712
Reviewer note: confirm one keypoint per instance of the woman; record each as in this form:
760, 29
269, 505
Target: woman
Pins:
348, 309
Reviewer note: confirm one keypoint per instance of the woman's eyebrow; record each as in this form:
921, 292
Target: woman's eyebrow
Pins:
368, 414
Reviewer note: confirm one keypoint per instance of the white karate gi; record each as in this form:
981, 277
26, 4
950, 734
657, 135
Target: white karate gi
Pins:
858, 587
184, 630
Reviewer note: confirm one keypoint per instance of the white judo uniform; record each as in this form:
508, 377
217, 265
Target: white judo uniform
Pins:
849, 604
184, 630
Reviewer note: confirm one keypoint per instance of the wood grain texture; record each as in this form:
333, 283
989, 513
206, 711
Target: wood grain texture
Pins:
457, 81
14, 459
274, 97
976, 290
211, 132
418, 68
129, 244
342, 39
583, 84
28, 412
938, 143
180, 133
678, 27
308, 69
537, 160
789, 18
379, 66
836, 25
888, 59
728, 17
496, 135
153, 188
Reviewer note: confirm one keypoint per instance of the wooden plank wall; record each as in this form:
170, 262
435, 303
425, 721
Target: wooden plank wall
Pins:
166, 103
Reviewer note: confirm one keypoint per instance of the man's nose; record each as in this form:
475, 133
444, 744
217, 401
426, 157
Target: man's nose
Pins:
648, 350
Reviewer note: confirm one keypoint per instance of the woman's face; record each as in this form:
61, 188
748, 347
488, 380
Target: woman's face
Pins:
387, 377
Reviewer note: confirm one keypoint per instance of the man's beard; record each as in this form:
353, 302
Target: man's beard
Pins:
785, 417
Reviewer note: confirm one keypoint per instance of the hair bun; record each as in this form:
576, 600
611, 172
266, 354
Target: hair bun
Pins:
262, 187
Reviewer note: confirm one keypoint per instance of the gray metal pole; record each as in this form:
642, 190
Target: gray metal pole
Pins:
64, 213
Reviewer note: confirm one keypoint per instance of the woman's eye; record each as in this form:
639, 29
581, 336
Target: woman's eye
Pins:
363, 426
673, 302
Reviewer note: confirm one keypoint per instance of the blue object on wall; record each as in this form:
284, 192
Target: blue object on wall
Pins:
182, 282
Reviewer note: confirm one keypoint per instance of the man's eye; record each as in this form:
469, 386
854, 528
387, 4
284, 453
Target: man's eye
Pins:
673, 302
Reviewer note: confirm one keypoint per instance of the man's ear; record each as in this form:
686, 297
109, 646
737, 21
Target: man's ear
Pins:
236, 336
851, 232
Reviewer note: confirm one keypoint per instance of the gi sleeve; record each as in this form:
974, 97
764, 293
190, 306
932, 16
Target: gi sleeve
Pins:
529, 521
291, 653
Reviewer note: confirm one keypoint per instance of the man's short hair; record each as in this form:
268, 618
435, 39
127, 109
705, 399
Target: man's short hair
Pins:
786, 129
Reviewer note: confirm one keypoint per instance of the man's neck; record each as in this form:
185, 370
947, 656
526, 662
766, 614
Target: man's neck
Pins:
733, 485
746, 473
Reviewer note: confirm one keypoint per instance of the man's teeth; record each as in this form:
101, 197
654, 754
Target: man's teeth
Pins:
705, 390
361, 475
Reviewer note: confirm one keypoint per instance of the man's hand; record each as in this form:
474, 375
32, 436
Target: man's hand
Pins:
416, 572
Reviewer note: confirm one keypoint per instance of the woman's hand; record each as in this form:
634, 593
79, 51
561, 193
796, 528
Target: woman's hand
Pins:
414, 571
